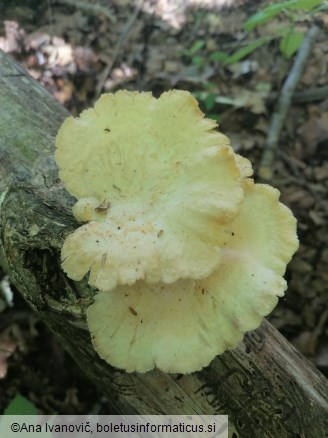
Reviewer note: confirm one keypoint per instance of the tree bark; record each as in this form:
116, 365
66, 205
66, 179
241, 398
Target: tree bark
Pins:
265, 386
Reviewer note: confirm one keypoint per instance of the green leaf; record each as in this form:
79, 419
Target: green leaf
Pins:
267, 14
214, 116
199, 44
209, 101
218, 56
271, 11
291, 43
210, 85
198, 60
306, 5
20, 405
320, 8
198, 95
263, 87
244, 51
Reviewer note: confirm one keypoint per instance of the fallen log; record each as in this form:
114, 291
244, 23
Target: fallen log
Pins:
266, 387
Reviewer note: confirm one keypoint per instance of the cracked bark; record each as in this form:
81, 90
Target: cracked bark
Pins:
265, 386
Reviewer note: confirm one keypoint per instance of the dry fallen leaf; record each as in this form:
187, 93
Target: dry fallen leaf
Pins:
252, 100
7, 347
12, 40
315, 130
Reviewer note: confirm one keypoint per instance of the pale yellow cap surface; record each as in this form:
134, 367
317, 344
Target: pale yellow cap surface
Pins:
187, 252
157, 184
180, 328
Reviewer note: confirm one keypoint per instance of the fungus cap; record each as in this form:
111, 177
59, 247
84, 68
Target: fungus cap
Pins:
187, 252
180, 328
156, 184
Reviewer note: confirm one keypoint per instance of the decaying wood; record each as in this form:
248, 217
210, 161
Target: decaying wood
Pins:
265, 386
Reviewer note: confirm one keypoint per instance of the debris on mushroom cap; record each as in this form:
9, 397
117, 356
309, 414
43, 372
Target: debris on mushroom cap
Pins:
180, 328
157, 184
187, 252
121, 255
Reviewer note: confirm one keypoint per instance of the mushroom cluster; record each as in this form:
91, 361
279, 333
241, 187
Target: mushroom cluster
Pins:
187, 253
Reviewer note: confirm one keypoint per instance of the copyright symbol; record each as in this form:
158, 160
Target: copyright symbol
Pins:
15, 427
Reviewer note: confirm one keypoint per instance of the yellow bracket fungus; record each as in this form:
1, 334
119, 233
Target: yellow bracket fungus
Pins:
186, 251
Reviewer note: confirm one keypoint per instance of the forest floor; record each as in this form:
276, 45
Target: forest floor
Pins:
79, 51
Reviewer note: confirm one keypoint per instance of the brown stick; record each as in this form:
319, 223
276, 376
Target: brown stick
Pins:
107, 70
279, 116
310, 95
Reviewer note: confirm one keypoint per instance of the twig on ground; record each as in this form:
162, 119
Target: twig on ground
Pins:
50, 12
265, 171
310, 95
89, 8
121, 40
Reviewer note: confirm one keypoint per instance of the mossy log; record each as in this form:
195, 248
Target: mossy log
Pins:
265, 386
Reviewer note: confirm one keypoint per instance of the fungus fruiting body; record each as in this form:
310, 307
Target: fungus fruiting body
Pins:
186, 251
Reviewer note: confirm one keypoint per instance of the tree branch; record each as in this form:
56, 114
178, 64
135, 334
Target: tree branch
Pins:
279, 116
